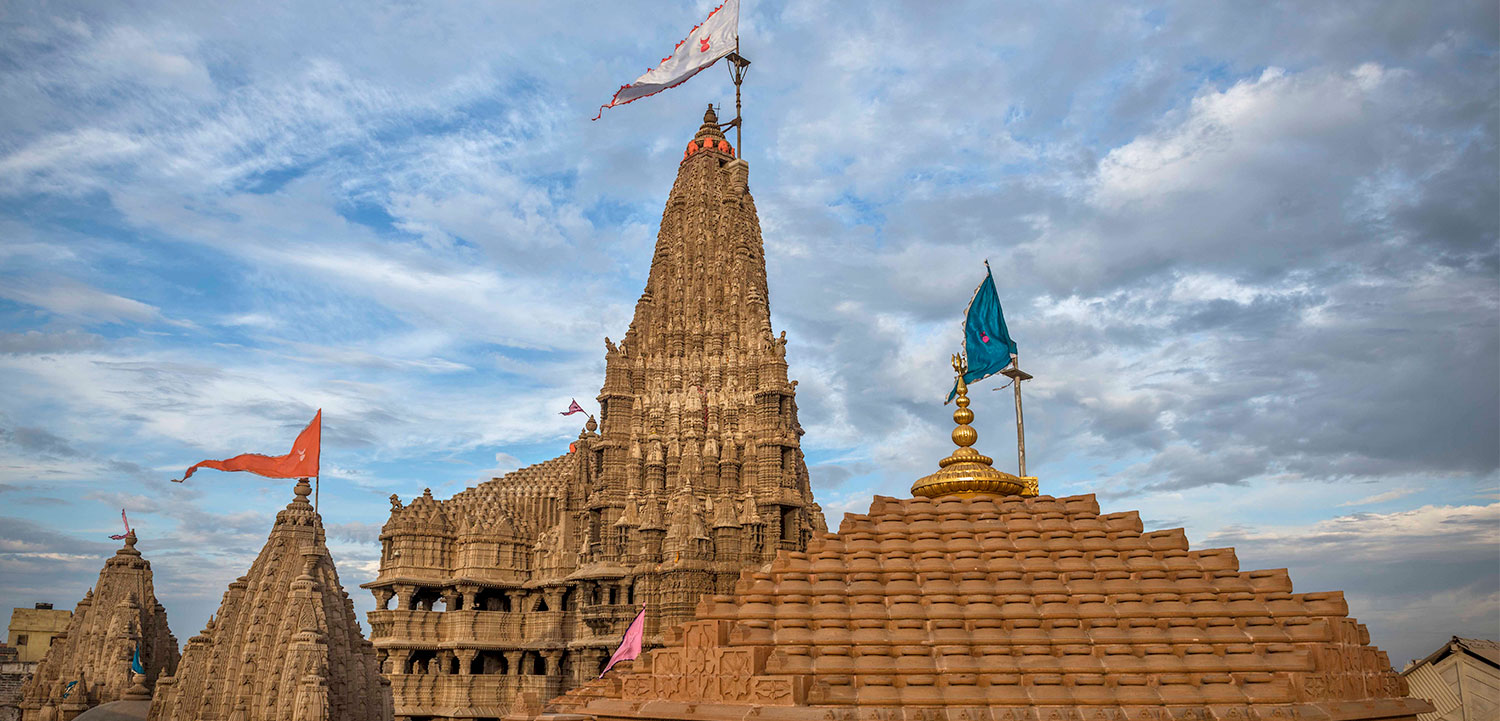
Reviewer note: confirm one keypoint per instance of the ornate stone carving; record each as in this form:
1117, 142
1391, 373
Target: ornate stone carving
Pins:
284, 645
692, 472
119, 613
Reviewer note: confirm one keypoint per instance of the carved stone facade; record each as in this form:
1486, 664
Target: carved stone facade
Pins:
285, 644
1004, 608
115, 616
519, 588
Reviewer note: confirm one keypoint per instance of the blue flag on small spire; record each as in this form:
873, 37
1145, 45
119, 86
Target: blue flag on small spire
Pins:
135, 663
987, 344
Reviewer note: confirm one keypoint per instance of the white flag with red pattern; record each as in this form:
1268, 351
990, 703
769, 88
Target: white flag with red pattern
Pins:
718, 36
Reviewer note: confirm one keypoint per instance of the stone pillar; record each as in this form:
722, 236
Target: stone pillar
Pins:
554, 662
470, 596
451, 598
397, 658
404, 593
383, 598
466, 658
513, 662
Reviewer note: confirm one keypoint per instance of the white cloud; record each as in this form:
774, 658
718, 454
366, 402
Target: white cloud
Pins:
1387, 496
72, 299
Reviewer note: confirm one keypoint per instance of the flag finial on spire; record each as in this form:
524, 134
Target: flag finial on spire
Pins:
966, 471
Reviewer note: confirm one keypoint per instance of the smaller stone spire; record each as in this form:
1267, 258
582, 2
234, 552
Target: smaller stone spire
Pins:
966, 472
116, 619
335, 670
708, 138
710, 126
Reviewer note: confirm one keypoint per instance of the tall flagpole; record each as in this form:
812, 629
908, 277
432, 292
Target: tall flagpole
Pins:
738, 66
1017, 375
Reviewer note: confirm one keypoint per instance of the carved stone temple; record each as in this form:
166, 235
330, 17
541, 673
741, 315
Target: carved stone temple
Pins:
285, 644
89, 664
972, 601
519, 589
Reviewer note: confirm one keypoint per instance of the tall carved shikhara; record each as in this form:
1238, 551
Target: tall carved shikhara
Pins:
696, 473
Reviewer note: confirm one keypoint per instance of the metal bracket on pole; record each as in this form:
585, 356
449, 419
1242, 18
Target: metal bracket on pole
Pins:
738, 66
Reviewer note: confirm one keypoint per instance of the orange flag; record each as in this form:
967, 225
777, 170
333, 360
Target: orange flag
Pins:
300, 463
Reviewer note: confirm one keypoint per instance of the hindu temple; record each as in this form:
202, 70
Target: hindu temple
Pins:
976, 599
284, 645
520, 587
90, 663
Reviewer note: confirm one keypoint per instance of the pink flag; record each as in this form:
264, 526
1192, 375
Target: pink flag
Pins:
572, 408
122, 536
630, 646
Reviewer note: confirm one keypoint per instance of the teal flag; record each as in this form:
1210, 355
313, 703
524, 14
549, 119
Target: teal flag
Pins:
987, 343
135, 663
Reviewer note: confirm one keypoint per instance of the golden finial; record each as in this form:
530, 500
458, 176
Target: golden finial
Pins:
966, 471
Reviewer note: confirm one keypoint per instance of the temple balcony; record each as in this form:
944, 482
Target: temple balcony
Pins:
603, 617
445, 627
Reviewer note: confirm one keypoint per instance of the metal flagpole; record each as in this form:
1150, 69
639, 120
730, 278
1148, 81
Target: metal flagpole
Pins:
738, 66
1017, 375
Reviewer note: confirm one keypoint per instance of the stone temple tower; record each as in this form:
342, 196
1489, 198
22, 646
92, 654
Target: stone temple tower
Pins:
285, 645
89, 665
517, 590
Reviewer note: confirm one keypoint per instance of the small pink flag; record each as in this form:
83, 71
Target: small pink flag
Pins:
122, 536
630, 646
572, 408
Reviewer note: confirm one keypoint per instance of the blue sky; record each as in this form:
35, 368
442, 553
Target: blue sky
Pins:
1249, 250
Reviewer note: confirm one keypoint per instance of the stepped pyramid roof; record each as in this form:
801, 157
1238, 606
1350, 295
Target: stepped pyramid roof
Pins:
972, 603
118, 613
284, 645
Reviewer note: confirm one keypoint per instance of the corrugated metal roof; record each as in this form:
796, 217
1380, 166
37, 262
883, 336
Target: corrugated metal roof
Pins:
1461, 679
1427, 682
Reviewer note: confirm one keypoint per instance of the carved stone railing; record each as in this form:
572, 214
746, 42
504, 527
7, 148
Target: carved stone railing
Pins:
486, 695
412, 625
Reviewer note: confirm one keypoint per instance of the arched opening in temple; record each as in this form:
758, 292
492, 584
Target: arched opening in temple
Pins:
491, 599
489, 662
419, 661
613, 595
569, 599
788, 524
423, 599
541, 604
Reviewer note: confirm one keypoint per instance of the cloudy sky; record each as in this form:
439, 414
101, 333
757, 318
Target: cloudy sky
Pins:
1249, 251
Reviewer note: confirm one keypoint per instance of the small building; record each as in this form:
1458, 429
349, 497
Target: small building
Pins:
1462, 679
13, 673
32, 630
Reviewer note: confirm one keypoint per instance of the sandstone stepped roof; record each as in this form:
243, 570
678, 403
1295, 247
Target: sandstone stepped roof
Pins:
1003, 607
284, 645
118, 613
